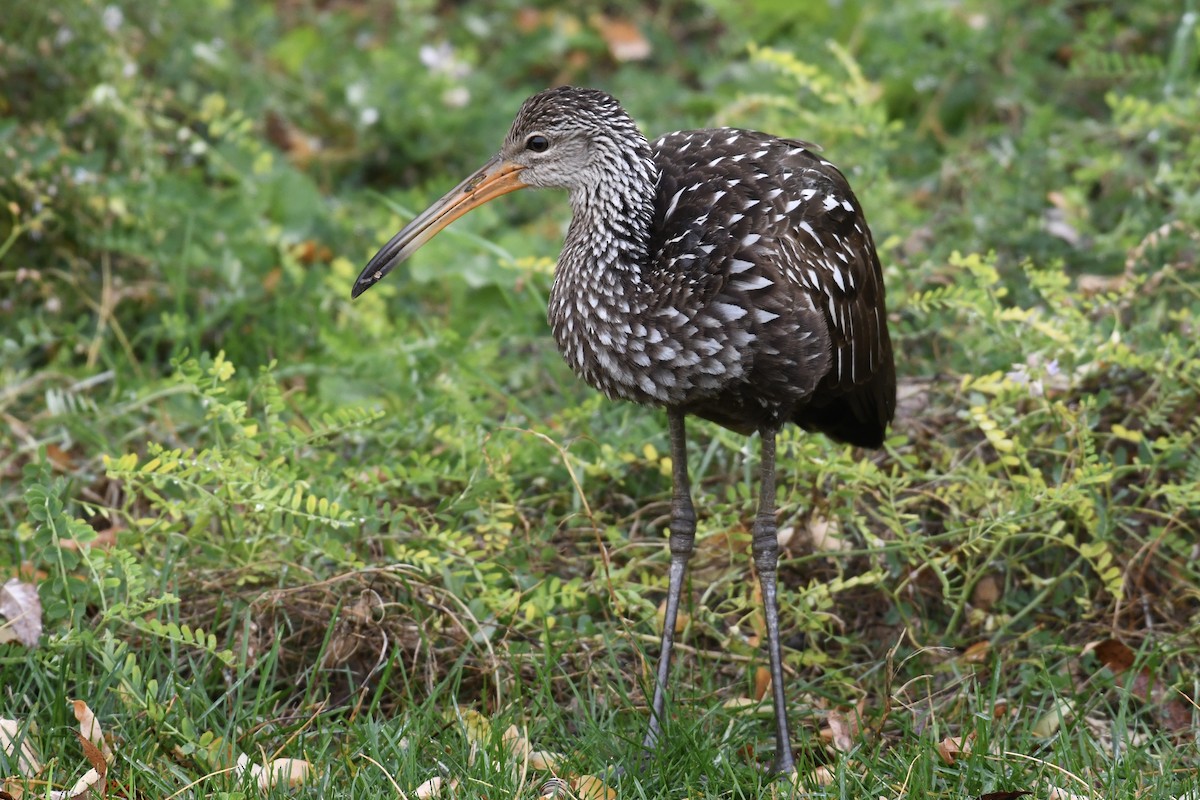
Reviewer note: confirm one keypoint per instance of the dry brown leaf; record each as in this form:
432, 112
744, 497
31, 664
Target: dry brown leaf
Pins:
589, 787
95, 779
625, 42
287, 771
310, 252
271, 280
1057, 793
660, 619
842, 729
976, 653
986, 592
292, 771
515, 742
20, 605
89, 728
28, 763
527, 19
94, 755
823, 775
102, 539
826, 535
430, 788
1175, 710
950, 748
1114, 654
61, 459
762, 682
284, 134
740, 703
784, 536
477, 727
1053, 719
1089, 285
81, 788
546, 760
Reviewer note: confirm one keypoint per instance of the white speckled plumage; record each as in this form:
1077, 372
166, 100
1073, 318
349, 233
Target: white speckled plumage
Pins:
726, 245
723, 273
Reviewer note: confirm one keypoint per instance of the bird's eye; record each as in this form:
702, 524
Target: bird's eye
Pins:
537, 143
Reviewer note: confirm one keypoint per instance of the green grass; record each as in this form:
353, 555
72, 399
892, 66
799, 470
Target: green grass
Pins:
263, 519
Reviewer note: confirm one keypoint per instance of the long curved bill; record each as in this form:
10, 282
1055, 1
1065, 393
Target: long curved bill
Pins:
493, 179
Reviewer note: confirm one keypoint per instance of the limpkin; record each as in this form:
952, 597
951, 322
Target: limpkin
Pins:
724, 273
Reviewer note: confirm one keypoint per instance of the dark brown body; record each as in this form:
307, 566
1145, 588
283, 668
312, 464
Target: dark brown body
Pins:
726, 274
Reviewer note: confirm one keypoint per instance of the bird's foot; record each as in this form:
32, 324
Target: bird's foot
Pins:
786, 785
784, 766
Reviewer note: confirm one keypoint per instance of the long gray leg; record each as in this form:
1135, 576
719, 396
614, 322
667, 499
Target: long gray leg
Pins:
683, 535
766, 560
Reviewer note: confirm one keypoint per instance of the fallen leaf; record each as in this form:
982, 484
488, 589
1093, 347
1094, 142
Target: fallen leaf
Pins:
103, 540
1114, 654
287, 771
284, 134
95, 779
528, 19
1057, 793
825, 535
986, 592
762, 682
477, 727
1002, 795
516, 742
271, 280
823, 776
660, 619
60, 458
89, 728
430, 788
28, 763
625, 42
20, 605
1053, 719
976, 653
950, 748
1056, 223
589, 787
1175, 711
546, 760
94, 755
741, 703
290, 771
310, 252
842, 729
1089, 285
80, 788
785, 535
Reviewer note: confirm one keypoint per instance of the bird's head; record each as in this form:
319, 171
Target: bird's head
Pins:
565, 138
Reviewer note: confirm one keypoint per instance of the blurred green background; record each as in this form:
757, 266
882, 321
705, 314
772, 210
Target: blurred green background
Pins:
197, 425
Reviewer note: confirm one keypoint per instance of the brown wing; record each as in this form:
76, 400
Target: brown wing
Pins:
768, 242
835, 262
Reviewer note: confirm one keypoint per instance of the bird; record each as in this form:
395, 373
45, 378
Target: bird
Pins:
725, 274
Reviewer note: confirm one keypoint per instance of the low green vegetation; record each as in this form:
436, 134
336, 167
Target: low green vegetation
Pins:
376, 535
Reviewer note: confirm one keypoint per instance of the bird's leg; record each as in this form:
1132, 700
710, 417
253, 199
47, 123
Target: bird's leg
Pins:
683, 534
766, 560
